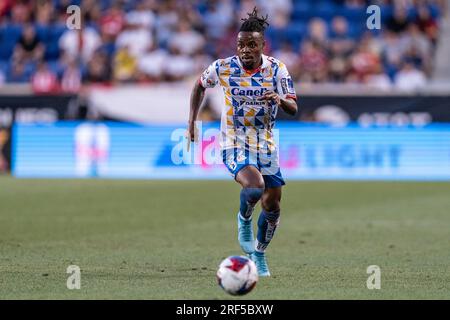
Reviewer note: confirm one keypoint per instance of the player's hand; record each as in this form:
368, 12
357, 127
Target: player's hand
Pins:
191, 135
271, 96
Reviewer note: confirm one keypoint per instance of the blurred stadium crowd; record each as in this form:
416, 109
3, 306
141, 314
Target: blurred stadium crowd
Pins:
153, 41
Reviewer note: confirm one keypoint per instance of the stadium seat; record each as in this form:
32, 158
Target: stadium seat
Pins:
9, 36
293, 33
325, 10
353, 14
303, 11
3, 66
43, 33
386, 13
435, 13
52, 43
55, 67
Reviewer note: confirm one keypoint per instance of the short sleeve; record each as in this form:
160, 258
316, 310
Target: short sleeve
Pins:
285, 85
209, 77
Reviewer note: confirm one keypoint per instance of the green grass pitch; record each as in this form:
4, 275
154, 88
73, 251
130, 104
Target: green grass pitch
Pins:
165, 239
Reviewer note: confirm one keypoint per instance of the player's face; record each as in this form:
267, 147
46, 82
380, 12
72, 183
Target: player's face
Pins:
250, 47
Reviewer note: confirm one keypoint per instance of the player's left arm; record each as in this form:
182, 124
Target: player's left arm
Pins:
288, 104
285, 96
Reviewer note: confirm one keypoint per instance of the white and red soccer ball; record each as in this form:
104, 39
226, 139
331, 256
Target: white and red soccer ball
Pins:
237, 275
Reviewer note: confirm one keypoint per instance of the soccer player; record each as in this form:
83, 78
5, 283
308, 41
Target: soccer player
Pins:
254, 86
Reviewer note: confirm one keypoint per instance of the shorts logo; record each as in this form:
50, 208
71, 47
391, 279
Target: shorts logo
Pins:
232, 165
240, 157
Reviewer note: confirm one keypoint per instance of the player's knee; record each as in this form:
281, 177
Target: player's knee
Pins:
251, 194
271, 205
254, 184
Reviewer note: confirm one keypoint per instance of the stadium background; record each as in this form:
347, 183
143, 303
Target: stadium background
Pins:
104, 102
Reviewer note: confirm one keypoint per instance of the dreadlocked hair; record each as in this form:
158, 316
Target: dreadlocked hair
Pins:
254, 23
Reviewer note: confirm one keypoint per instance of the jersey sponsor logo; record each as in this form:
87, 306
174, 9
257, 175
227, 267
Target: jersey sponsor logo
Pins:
252, 103
248, 92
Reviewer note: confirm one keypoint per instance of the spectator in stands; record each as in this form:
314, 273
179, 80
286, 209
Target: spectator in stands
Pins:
418, 46
18, 72
80, 43
290, 57
358, 3
245, 6
71, 78
427, 24
338, 68
44, 12
226, 45
392, 50
91, 12
283, 7
313, 63
419, 61
279, 11
180, 66
378, 79
218, 18
21, 12
112, 22
29, 47
201, 62
364, 61
185, 40
98, 68
167, 19
44, 81
409, 77
198, 32
341, 44
136, 36
125, 65
142, 15
399, 20
318, 32
151, 64
5, 7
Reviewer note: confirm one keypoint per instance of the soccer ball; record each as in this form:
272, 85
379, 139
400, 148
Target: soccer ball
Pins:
237, 275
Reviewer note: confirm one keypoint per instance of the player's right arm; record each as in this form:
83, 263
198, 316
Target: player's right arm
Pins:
197, 96
208, 79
